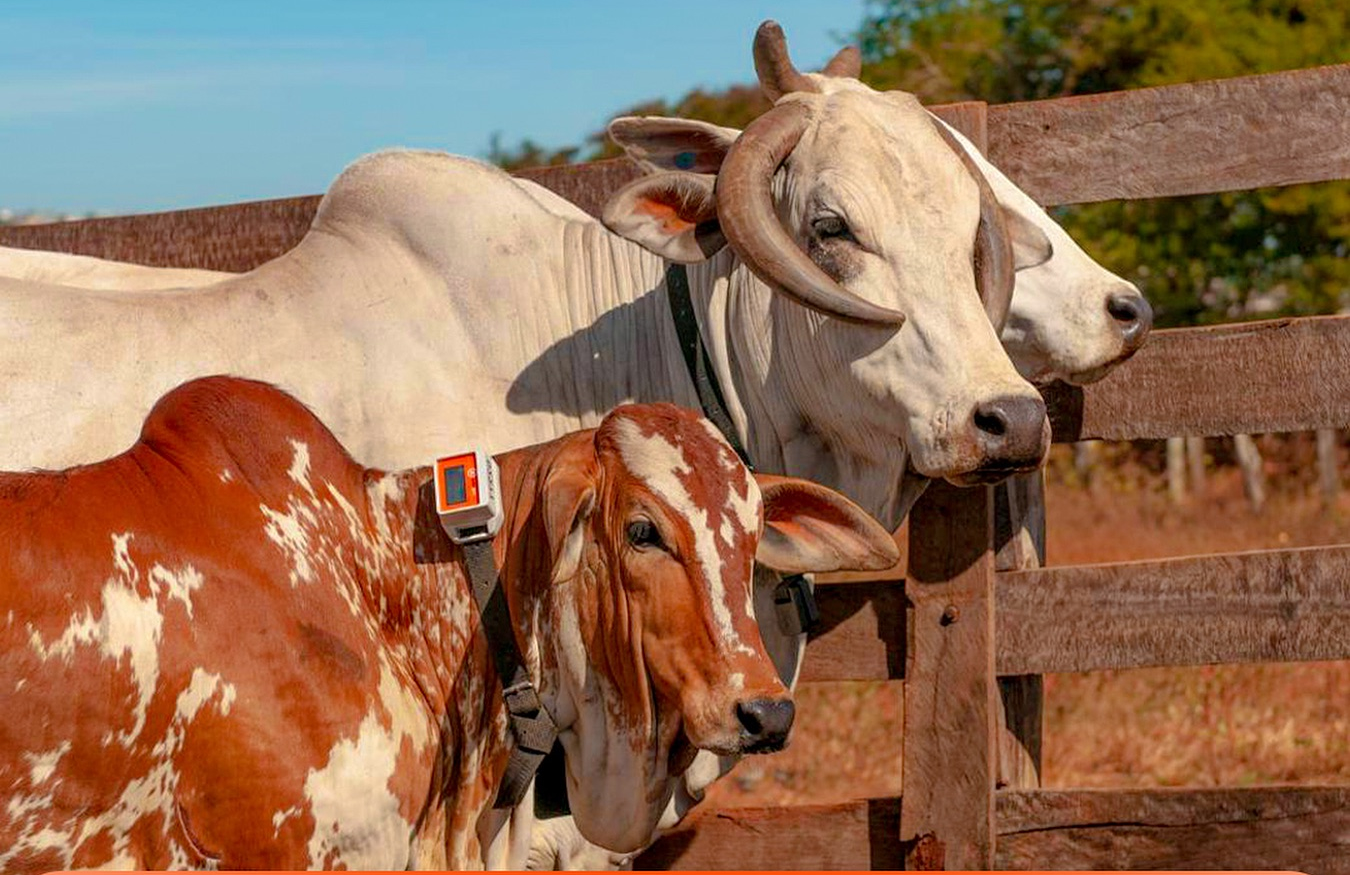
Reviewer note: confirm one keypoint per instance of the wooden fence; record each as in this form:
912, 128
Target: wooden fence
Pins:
978, 621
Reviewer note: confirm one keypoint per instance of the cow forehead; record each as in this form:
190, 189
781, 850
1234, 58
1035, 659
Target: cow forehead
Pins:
884, 141
687, 463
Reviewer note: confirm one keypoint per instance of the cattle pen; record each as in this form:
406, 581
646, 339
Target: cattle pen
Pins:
978, 621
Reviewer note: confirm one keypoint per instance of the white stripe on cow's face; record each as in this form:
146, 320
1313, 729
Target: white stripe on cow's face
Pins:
660, 464
745, 509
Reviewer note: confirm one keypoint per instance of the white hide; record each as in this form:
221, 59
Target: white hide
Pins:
1058, 327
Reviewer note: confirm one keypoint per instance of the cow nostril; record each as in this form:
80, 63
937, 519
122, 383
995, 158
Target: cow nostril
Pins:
765, 723
991, 419
1134, 315
749, 716
1123, 308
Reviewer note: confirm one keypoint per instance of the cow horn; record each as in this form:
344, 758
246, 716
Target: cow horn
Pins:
745, 209
994, 265
846, 64
777, 75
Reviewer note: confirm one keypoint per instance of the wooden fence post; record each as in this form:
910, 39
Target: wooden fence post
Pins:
1328, 474
1176, 469
1019, 539
1253, 472
1195, 464
1085, 455
951, 724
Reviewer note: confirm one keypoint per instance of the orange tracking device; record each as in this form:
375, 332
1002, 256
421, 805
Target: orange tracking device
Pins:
468, 496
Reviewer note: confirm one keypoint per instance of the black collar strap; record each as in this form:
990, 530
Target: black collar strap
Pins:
794, 598
696, 359
532, 727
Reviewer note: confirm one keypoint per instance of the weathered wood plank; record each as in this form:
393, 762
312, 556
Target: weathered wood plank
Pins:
861, 635
236, 237
1304, 829
951, 695
855, 835
1222, 135
1261, 606
1264, 606
1250, 378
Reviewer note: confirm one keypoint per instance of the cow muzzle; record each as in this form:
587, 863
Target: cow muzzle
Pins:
1012, 436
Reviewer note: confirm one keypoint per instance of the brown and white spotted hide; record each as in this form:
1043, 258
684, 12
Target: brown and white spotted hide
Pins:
234, 647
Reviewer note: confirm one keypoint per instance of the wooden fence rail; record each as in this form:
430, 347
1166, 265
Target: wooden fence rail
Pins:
1262, 606
978, 621
1241, 829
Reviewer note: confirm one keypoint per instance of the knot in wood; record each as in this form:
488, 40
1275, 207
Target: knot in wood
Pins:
950, 614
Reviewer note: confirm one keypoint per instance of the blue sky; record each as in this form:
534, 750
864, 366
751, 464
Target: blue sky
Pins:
140, 105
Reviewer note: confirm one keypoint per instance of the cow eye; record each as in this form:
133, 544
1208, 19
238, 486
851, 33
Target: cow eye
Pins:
832, 227
643, 534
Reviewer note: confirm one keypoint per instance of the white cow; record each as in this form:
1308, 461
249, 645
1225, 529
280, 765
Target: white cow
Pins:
1071, 319
430, 277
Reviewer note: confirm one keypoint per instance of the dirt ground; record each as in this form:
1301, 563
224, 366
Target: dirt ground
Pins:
1205, 726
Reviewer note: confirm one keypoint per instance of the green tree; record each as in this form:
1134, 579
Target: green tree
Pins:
1206, 258
734, 107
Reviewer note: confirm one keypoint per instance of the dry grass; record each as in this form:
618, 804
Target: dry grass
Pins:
1207, 726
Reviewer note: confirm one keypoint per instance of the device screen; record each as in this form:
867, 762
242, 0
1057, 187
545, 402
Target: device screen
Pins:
455, 492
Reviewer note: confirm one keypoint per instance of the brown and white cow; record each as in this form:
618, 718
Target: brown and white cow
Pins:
232, 646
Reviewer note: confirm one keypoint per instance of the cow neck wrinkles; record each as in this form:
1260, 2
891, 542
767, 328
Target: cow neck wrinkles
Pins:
772, 397
617, 345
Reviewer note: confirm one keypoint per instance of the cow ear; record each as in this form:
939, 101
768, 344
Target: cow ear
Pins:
658, 144
671, 214
1031, 246
809, 528
569, 501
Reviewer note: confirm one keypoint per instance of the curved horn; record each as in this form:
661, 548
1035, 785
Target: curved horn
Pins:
746, 212
776, 74
846, 64
994, 264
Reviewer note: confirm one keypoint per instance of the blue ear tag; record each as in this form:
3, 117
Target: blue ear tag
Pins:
684, 160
